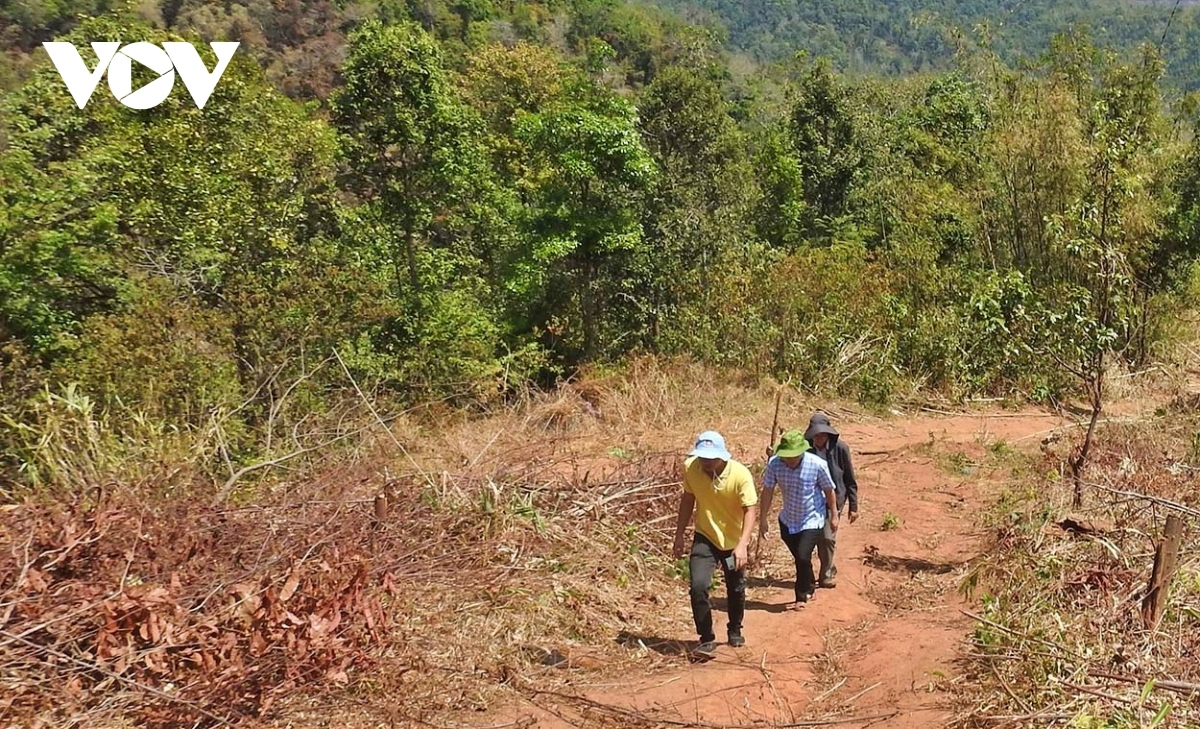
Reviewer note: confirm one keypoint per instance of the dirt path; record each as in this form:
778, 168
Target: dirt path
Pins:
882, 644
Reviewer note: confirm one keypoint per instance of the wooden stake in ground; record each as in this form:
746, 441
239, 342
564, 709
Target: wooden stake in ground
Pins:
381, 514
770, 450
1165, 559
775, 420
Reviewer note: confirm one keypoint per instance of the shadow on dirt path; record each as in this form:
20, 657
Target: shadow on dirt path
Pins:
881, 646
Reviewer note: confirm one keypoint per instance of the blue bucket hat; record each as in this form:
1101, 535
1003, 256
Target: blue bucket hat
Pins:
711, 444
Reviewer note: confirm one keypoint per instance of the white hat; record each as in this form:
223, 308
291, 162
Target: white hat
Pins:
711, 444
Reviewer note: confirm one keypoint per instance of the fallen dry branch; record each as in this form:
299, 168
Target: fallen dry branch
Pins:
965, 413
633, 717
1035, 716
1095, 691
1008, 688
177, 614
94, 667
1173, 505
1019, 634
1065, 617
1180, 687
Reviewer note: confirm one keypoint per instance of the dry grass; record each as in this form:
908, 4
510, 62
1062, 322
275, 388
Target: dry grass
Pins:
516, 549
1061, 640
174, 614
525, 547
917, 591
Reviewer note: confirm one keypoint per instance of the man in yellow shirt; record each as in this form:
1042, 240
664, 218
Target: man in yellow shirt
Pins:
721, 493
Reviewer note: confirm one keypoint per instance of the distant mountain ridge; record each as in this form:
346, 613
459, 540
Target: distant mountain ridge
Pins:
906, 36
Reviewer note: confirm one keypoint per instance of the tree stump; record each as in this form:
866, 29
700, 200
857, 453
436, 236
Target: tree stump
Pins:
1166, 557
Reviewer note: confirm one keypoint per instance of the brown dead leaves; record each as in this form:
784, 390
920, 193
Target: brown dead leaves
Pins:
174, 615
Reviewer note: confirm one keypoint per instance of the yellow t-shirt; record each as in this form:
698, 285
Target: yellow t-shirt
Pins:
720, 503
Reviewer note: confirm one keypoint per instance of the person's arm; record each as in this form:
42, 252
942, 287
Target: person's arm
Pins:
749, 497
764, 509
764, 512
742, 551
687, 503
825, 481
849, 480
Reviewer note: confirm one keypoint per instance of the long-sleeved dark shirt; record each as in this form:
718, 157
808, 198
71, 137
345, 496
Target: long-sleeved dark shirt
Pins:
841, 467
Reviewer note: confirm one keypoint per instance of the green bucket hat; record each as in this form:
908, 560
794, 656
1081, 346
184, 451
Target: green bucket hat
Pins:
791, 444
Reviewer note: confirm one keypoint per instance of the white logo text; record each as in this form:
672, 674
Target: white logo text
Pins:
118, 61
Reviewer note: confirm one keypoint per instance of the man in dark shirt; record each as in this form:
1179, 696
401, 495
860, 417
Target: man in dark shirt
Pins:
826, 441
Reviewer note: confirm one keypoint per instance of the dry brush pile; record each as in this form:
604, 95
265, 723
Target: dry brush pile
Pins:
170, 613
446, 565
1065, 636
119, 608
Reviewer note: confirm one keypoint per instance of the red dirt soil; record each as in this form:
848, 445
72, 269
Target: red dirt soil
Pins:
882, 645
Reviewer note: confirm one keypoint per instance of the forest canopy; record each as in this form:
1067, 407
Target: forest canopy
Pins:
453, 200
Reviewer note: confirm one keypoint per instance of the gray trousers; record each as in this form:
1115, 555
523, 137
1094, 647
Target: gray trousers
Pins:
826, 547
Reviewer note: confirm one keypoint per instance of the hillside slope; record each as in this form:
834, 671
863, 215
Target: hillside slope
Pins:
905, 36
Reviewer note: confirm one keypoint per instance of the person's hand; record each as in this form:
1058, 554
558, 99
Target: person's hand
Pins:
740, 554
677, 549
763, 531
853, 516
833, 522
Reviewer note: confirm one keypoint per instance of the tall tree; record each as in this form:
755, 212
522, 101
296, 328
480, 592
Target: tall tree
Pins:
699, 212
585, 192
1082, 225
410, 143
415, 154
827, 147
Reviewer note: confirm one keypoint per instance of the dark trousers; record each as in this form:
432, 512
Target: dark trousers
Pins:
825, 551
801, 544
703, 562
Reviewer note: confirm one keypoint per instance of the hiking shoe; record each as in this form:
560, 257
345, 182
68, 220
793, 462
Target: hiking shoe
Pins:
706, 649
736, 640
828, 583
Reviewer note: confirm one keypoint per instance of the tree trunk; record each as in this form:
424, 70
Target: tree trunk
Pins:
589, 307
1096, 395
414, 275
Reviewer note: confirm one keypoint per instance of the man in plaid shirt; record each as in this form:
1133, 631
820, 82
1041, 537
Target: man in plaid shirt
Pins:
809, 500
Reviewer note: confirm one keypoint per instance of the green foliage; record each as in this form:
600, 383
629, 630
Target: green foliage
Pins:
499, 192
589, 173
417, 156
703, 193
826, 145
910, 37
1094, 247
192, 197
58, 258
66, 443
781, 207
161, 353
636, 34
175, 263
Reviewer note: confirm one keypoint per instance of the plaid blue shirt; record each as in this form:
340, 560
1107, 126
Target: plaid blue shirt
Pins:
803, 490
